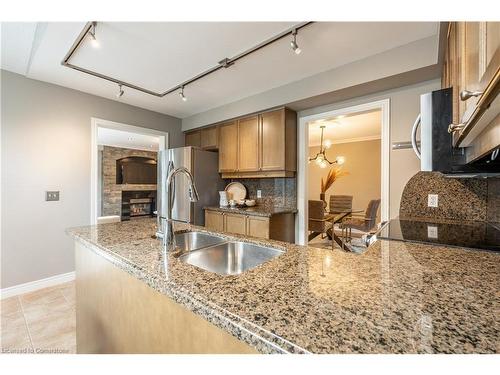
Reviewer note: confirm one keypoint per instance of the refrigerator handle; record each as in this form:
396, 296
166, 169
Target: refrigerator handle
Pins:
414, 136
171, 197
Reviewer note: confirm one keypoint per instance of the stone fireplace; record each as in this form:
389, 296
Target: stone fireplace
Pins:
111, 192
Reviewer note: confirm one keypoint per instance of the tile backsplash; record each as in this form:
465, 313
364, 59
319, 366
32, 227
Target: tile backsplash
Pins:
280, 192
459, 198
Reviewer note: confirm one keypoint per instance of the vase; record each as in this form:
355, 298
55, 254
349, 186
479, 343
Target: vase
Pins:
322, 197
223, 199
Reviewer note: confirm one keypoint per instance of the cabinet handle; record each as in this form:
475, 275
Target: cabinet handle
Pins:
452, 128
466, 94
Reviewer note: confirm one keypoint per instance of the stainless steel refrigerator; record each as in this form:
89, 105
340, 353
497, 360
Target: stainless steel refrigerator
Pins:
204, 166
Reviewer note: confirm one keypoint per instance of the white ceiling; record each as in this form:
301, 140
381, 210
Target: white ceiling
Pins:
119, 138
352, 128
161, 55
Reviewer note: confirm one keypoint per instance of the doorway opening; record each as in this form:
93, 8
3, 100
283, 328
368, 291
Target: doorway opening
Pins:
343, 160
123, 170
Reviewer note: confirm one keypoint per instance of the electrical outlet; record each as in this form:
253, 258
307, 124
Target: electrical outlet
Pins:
51, 196
432, 200
259, 193
432, 232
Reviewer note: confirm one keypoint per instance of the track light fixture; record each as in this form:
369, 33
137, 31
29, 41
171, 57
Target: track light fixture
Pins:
181, 94
120, 91
293, 43
93, 39
89, 32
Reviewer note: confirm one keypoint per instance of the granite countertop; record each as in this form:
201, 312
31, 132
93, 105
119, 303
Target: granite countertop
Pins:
259, 210
396, 297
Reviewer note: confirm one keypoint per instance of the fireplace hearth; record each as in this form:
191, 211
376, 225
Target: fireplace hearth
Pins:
138, 203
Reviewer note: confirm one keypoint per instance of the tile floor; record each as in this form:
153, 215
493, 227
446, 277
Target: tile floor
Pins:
42, 321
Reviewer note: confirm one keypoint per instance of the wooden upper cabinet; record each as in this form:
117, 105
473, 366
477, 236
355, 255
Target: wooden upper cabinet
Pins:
259, 146
209, 138
472, 68
469, 79
489, 53
193, 139
248, 144
205, 138
279, 140
228, 147
273, 140
472, 61
452, 66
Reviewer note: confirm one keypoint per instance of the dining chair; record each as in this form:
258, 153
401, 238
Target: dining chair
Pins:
317, 222
362, 223
340, 203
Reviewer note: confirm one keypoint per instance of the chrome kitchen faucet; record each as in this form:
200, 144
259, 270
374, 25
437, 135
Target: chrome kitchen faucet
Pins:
168, 238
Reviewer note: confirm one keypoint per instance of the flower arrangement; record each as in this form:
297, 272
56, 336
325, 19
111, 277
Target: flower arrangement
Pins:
333, 175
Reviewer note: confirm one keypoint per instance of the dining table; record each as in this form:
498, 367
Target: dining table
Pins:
336, 217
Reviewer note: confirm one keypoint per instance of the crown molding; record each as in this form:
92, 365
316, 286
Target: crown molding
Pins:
351, 140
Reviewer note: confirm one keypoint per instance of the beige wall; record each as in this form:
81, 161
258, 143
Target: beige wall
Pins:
405, 106
45, 145
362, 161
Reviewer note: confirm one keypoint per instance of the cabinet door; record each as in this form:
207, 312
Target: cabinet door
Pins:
479, 44
209, 138
470, 64
453, 68
228, 147
258, 226
214, 221
193, 139
248, 144
235, 223
273, 140
489, 50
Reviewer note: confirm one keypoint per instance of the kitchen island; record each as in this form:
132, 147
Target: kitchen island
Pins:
394, 298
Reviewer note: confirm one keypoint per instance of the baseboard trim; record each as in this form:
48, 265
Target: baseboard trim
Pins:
37, 284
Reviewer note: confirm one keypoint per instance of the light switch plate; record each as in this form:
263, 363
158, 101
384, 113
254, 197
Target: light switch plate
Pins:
432, 200
51, 196
432, 232
259, 193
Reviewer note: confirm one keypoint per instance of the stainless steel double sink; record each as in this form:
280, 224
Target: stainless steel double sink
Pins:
221, 256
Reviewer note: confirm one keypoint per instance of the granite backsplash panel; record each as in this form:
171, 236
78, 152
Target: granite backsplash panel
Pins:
493, 209
459, 198
277, 192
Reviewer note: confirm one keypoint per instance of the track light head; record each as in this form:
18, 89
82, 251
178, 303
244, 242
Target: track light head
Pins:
293, 43
93, 40
120, 92
181, 94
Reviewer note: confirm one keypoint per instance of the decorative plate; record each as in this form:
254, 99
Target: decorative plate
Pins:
236, 191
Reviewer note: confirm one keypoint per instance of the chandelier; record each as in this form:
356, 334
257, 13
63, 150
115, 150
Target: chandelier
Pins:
320, 157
